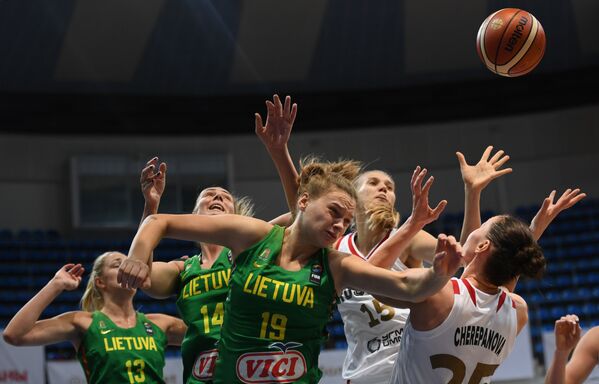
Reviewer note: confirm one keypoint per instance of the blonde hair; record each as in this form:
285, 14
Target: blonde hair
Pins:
242, 205
92, 299
381, 216
317, 177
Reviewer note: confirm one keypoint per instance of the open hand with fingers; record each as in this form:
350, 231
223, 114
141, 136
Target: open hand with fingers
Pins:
549, 210
68, 277
134, 274
477, 177
567, 333
422, 213
153, 181
448, 256
279, 123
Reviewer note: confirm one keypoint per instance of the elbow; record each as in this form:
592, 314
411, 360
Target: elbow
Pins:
12, 339
154, 218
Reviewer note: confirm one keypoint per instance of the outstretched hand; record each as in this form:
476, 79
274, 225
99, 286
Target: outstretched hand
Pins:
133, 274
567, 333
279, 123
478, 176
549, 210
69, 276
448, 256
152, 182
422, 213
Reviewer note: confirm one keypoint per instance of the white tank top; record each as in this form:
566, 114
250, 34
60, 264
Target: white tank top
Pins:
373, 330
477, 335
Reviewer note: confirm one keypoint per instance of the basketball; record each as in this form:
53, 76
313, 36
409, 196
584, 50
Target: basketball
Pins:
511, 42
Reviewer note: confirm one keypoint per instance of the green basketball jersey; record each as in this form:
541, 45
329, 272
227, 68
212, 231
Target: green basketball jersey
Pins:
274, 318
201, 297
111, 354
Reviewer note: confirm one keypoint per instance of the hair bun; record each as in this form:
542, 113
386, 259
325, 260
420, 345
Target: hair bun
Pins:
530, 261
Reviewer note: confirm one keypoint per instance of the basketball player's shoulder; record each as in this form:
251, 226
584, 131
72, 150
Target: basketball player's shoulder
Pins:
80, 319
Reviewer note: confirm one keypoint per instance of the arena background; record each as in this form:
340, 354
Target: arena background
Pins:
90, 90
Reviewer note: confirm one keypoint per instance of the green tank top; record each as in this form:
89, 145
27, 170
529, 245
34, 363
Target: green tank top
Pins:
274, 319
201, 297
111, 354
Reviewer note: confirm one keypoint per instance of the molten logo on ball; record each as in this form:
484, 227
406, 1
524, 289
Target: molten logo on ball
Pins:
517, 34
511, 42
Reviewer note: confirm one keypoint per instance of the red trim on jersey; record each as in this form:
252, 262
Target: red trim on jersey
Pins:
350, 244
85, 363
378, 244
501, 300
470, 291
456, 287
513, 303
337, 243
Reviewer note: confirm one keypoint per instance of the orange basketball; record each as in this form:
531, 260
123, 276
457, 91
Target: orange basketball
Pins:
511, 42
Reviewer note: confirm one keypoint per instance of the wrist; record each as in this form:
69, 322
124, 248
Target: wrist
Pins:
561, 355
278, 152
151, 207
472, 189
412, 225
56, 286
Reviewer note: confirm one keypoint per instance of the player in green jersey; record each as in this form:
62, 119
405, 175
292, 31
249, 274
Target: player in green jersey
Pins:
201, 282
284, 280
114, 343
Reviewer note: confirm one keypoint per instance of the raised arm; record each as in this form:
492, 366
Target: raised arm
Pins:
584, 359
25, 328
422, 214
275, 136
152, 186
476, 178
413, 285
232, 231
549, 210
164, 275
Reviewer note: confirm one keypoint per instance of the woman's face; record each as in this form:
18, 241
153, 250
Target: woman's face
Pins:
327, 216
375, 186
110, 269
215, 201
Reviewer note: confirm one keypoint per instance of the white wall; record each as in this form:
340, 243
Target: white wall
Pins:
548, 150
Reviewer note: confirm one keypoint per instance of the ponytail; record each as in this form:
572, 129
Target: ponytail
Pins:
92, 299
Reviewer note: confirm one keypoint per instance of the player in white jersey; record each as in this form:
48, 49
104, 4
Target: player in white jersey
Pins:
373, 330
464, 332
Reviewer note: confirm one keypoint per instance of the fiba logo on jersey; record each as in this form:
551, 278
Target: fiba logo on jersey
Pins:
148, 328
316, 274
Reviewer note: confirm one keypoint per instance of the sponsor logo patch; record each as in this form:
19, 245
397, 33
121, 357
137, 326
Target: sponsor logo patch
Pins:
203, 368
283, 366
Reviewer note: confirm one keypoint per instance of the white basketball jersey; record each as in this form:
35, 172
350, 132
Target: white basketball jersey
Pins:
373, 330
477, 336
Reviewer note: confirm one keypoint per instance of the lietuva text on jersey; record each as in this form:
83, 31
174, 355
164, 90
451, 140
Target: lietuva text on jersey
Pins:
206, 283
130, 343
272, 289
481, 336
